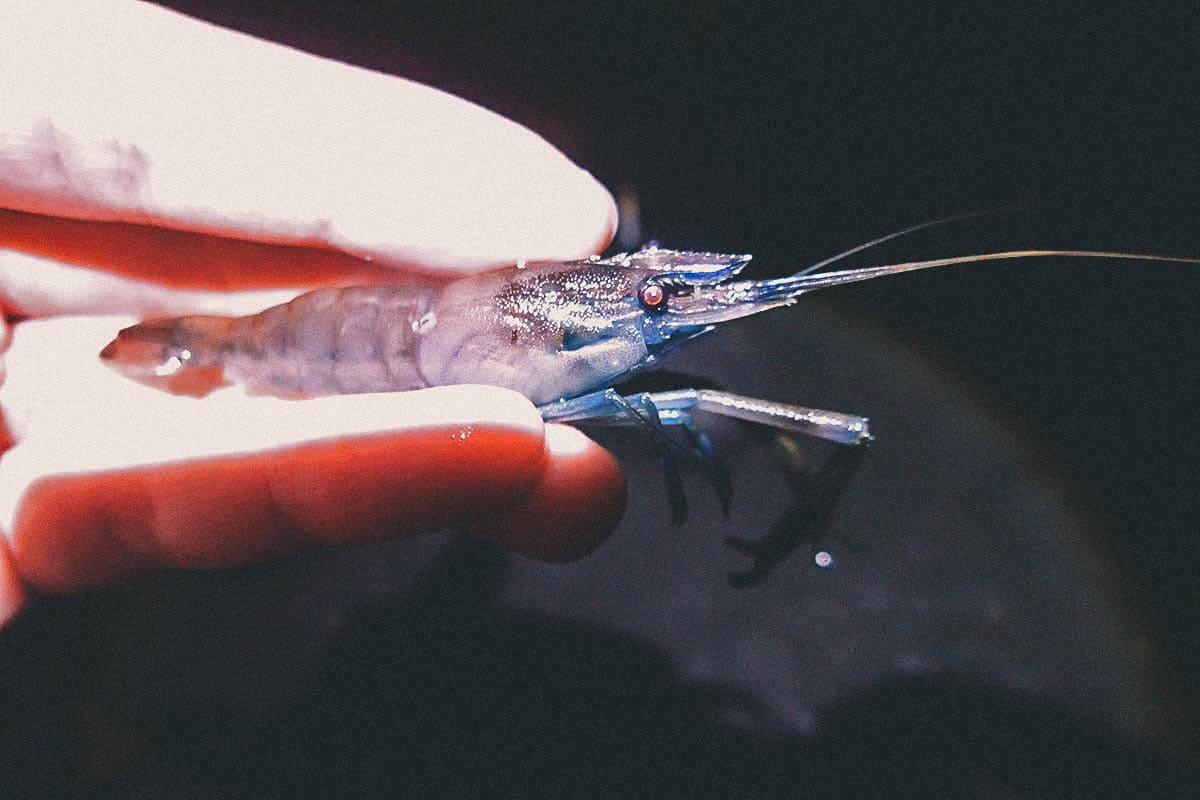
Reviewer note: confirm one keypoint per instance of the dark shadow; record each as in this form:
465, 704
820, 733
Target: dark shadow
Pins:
816, 474
816, 488
954, 736
448, 696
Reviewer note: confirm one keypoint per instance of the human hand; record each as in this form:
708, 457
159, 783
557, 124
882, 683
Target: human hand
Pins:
151, 164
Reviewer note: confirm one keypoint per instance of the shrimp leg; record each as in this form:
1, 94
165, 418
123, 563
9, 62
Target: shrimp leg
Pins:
656, 410
610, 408
676, 407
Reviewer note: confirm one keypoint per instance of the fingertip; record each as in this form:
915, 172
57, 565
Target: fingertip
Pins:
612, 220
577, 503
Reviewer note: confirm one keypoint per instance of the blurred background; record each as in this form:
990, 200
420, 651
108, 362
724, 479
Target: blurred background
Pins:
1066, 387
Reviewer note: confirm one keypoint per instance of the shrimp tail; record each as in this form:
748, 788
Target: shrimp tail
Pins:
181, 355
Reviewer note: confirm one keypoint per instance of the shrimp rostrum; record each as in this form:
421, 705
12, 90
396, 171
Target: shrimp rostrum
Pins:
562, 334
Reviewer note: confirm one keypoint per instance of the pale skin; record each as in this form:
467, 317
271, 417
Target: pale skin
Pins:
150, 165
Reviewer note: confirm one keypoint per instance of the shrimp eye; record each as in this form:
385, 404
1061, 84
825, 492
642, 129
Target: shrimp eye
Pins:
652, 297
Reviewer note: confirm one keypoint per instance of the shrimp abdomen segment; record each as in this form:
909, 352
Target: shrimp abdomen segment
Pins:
332, 341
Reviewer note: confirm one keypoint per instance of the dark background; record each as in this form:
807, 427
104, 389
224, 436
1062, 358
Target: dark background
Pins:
794, 133
797, 133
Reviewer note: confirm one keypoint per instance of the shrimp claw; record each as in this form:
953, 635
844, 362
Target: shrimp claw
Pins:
657, 410
676, 407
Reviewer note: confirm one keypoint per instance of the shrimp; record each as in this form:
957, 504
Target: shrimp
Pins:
559, 333
563, 334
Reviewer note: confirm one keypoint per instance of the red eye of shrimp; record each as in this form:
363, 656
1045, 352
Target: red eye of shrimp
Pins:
652, 296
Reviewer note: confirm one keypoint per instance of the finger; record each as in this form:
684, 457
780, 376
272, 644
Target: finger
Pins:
33, 286
77, 531
575, 505
172, 258
12, 592
123, 111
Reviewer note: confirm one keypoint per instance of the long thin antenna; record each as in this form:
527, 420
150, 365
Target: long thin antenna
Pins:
889, 237
795, 285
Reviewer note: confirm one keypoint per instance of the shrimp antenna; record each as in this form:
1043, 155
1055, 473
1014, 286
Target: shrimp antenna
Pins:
894, 235
801, 282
